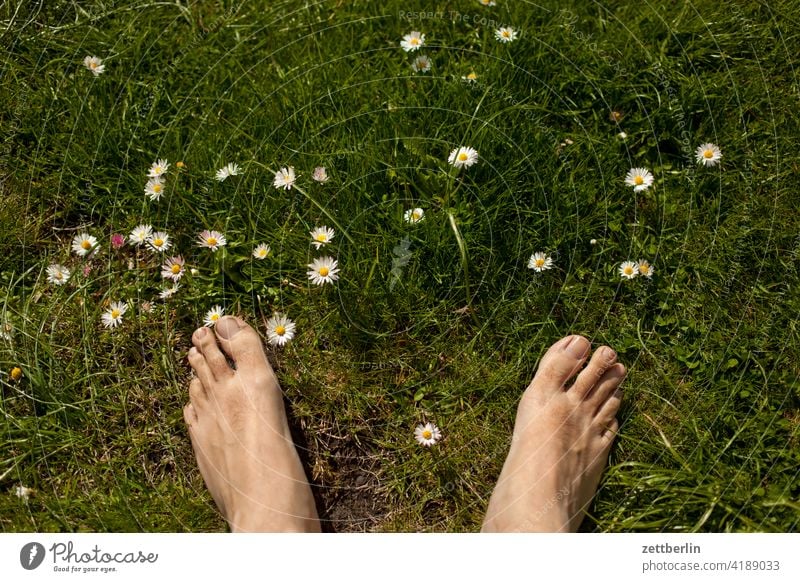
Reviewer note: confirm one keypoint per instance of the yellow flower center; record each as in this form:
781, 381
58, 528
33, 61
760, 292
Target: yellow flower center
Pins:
115, 313
628, 270
86, 245
214, 316
175, 269
462, 157
211, 241
426, 434
644, 268
472, 76
638, 180
158, 242
58, 275
708, 154
93, 65
321, 237
416, 216
539, 262
180, 164
16, 373
506, 33
262, 252
156, 188
323, 271
414, 41
280, 330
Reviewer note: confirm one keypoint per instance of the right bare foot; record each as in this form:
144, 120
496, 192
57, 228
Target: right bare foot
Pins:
240, 434
561, 441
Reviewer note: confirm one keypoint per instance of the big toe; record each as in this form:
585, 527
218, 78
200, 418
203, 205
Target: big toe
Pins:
561, 362
240, 341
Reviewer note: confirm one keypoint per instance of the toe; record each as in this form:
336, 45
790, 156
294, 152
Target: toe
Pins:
609, 409
200, 366
602, 359
610, 431
241, 342
607, 385
189, 414
561, 361
197, 393
206, 342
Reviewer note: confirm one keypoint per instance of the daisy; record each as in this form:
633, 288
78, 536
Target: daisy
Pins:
412, 41
84, 244
639, 178
320, 175
540, 262
173, 268
280, 329
167, 293
488, 2
427, 434
228, 170
323, 270
414, 215
261, 251
645, 268
628, 269
113, 315
505, 34
213, 316
421, 64
57, 274
154, 188
159, 241
708, 154
321, 236
463, 157
212, 240
158, 168
470, 78
94, 64
284, 178
22, 492
140, 234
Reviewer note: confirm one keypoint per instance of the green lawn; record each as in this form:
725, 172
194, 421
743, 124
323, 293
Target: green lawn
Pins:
437, 321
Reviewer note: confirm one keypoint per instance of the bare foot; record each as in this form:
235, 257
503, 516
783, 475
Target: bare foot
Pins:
561, 441
240, 434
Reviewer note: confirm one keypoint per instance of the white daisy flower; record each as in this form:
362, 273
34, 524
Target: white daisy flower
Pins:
280, 329
169, 292
639, 178
94, 64
622, 135
173, 268
470, 78
57, 274
321, 236
227, 171
708, 154
284, 178
540, 262
414, 215
412, 41
645, 268
628, 270
213, 316
211, 239
320, 174
158, 169
323, 270
159, 241
261, 251
505, 34
154, 188
488, 2
83, 244
427, 434
112, 317
422, 64
463, 157
140, 234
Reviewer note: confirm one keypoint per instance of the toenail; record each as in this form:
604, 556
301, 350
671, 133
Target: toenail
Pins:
577, 346
608, 353
227, 327
201, 332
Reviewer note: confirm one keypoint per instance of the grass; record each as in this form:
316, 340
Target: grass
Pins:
710, 424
